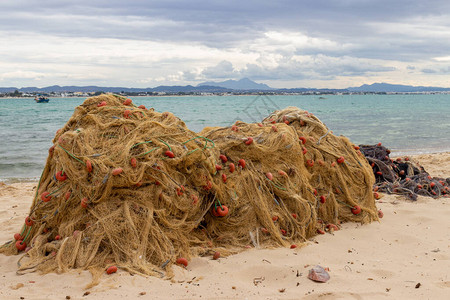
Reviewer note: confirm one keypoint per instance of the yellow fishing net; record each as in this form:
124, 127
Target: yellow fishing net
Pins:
135, 188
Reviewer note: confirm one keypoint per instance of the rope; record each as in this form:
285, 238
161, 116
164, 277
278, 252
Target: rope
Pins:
135, 145
153, 149
318, 141
26, 236
170, 149
202, 137
73, 156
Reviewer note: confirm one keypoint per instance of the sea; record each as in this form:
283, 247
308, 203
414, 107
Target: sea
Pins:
405, 123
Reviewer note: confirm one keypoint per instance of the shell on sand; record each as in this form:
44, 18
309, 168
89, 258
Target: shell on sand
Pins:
318, 274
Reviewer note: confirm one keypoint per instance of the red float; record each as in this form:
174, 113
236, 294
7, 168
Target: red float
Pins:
222, 211
45, 196
84, 202
21, 245
182, 261
133, 162
29, 221
110, 270
249, 141
60, 176
169, 154
241, 163
356, 210
117, 171
88, 166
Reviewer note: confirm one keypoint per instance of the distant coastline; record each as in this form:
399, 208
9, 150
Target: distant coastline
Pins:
244, 86
218, 94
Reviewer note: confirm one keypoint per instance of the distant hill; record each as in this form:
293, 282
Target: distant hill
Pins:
7, 89
71, 88
242, 84
395, 88
188, 89
305, 90
93, 89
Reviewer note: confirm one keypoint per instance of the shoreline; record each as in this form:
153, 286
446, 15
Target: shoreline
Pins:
404, 256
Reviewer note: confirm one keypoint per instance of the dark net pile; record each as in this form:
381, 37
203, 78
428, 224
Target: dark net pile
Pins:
135, 188
402, 176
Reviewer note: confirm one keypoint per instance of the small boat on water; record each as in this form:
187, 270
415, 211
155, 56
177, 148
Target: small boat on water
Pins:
41, 99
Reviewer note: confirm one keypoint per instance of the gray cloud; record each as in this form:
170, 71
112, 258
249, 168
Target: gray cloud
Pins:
222, 70
428, 71
349, 38
320, 67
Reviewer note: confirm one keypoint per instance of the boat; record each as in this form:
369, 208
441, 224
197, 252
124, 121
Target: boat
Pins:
41, 99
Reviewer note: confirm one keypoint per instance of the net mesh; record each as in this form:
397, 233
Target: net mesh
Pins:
403, 176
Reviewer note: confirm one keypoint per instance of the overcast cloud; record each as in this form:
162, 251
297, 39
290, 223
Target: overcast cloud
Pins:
135, 43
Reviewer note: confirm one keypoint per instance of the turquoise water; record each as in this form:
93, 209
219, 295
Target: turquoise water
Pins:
407, 124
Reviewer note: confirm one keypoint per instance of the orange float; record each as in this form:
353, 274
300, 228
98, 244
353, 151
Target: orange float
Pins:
110, 270
223, 158
117, 171
169, 154
222, 211
182, 261
88, 166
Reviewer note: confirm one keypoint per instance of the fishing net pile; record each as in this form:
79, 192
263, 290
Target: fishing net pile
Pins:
402, 176
132, 187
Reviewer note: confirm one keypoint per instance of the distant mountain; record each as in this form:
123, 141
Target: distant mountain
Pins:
395, 88
83, 89
242, 84
93, 89
305, 90
188, 89
7, 89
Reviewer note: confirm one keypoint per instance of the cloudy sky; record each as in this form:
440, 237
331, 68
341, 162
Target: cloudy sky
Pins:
298, 43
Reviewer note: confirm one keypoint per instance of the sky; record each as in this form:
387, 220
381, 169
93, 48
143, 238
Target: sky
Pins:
285, 44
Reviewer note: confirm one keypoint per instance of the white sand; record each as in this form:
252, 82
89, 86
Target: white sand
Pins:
405, 256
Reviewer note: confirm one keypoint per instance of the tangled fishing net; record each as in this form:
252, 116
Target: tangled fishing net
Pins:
402, 176
135, 188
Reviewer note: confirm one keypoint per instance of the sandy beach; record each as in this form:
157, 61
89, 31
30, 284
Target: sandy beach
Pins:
404, 256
